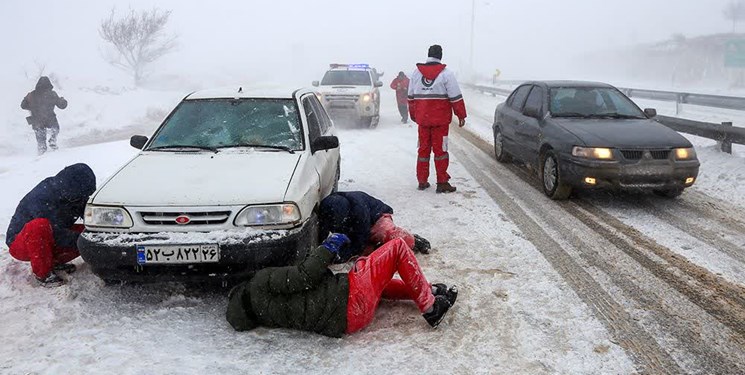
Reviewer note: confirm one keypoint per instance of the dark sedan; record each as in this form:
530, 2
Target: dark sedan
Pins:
590, 135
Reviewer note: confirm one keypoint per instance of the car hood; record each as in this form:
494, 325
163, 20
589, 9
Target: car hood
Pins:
640, 133
200, 179
345, 90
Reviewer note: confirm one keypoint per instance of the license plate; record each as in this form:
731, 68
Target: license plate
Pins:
177, 254
649, 170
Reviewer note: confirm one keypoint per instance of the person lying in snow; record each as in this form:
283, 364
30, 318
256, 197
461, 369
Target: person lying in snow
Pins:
367, 221
43, 229
310, 297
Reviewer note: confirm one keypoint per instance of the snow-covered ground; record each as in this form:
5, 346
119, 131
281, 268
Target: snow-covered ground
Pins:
515, 313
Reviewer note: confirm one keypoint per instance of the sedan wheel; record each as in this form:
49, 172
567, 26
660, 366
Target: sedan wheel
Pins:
553, 186
499, 152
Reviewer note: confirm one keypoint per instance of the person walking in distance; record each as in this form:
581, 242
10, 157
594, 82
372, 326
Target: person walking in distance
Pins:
401, 85
433, 97
41, 103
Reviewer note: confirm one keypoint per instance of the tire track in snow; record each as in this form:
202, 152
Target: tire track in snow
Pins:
640, 346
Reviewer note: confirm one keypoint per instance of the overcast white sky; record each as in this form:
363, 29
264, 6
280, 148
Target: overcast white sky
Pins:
297, 39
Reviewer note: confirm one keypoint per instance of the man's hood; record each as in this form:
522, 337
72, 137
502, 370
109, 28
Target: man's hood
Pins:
75, 182
333, 214
44, 83
431, 70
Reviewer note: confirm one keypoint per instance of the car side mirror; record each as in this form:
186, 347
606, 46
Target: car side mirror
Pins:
650, 112
378, 84
532, 112
316, 83
138, 141
328, 142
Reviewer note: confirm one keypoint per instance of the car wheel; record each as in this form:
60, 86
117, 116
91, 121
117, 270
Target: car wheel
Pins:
365, 122
499, 151
551, 179
336, 181
669, 193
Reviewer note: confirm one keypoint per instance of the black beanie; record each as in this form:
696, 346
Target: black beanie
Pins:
435, 51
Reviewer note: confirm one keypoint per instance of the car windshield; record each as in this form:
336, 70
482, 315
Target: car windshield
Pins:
592, 102
223, 123
346, 78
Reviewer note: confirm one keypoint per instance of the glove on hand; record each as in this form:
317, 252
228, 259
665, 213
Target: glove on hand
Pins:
334, 242
421, 245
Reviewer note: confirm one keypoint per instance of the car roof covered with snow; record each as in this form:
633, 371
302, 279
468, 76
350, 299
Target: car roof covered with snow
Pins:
247, 92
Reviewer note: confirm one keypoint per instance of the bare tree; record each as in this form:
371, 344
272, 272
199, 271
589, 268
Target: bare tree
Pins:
138, 38
735, 12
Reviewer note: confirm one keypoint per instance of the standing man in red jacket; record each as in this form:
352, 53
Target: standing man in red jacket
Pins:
433, 97
401, 85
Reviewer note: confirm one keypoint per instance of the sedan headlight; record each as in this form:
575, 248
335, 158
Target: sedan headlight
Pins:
685, 153
366, 98
601, 153
107, 216
286, 214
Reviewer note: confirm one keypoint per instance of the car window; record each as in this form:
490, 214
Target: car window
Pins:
314, 126
535, 99
346, 78
519, 97
219, 123
591, 102
323, 119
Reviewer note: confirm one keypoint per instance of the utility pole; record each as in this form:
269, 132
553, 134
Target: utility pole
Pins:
473, 19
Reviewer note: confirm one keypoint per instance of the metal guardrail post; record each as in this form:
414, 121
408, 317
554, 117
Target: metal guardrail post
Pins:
726, 143
679, 104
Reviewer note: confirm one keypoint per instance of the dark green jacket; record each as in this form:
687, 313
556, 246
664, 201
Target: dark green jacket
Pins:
306, 297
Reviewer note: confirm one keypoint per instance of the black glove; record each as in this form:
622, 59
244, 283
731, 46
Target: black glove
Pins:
421, 245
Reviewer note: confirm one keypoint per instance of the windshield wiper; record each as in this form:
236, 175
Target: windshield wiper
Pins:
248, 145
617, 116
570, 114
205, 148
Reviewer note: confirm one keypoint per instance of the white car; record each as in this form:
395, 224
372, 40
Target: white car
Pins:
229, 183
351, 90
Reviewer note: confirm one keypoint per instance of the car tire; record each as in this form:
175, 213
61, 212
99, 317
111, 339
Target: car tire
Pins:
365, 122
551, 179
499, 151
668, 193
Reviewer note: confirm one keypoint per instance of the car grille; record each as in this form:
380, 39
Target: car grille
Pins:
195, 218
330, 97
638, 154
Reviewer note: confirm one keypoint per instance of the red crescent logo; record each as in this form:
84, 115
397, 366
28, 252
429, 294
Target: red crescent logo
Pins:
183, 220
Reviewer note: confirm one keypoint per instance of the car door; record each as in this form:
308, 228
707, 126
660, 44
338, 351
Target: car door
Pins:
528, 132
333, 155
512, 117
320, 159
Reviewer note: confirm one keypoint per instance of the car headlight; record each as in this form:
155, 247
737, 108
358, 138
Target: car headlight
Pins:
366, 97
685, 153
285, 214
601, 153
107, 216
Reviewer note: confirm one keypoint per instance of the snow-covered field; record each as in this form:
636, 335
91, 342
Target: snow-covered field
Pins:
515, 314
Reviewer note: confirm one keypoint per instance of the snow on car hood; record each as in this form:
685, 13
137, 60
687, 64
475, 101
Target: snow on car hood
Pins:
200, 179
345, 90
623, 133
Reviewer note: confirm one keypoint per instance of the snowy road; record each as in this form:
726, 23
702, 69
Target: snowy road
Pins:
605, 283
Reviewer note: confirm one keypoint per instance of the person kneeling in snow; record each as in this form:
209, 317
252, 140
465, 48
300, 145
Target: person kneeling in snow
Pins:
310, 297
43, 229
367, 221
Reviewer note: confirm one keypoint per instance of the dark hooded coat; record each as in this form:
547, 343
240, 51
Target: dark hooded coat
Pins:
60, 199
352, 213
41, 103
307, 297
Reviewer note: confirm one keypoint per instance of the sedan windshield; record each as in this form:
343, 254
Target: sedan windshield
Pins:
592, 102
223, 123
346, 78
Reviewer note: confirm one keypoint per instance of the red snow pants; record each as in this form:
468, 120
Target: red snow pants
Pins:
385, 230
433, 139
372, 278
35, 243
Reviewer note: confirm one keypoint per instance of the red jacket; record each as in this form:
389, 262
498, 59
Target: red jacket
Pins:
401, 85
434, 95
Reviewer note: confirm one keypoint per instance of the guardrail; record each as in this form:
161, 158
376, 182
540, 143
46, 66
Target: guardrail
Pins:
724, 133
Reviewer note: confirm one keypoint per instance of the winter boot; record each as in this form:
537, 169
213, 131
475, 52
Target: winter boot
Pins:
51, 281
424, 185
442, 290
65, 267
421, 245
439, 289
439, 308
445, 187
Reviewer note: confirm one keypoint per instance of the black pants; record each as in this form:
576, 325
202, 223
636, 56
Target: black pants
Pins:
403, 108
41, 138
